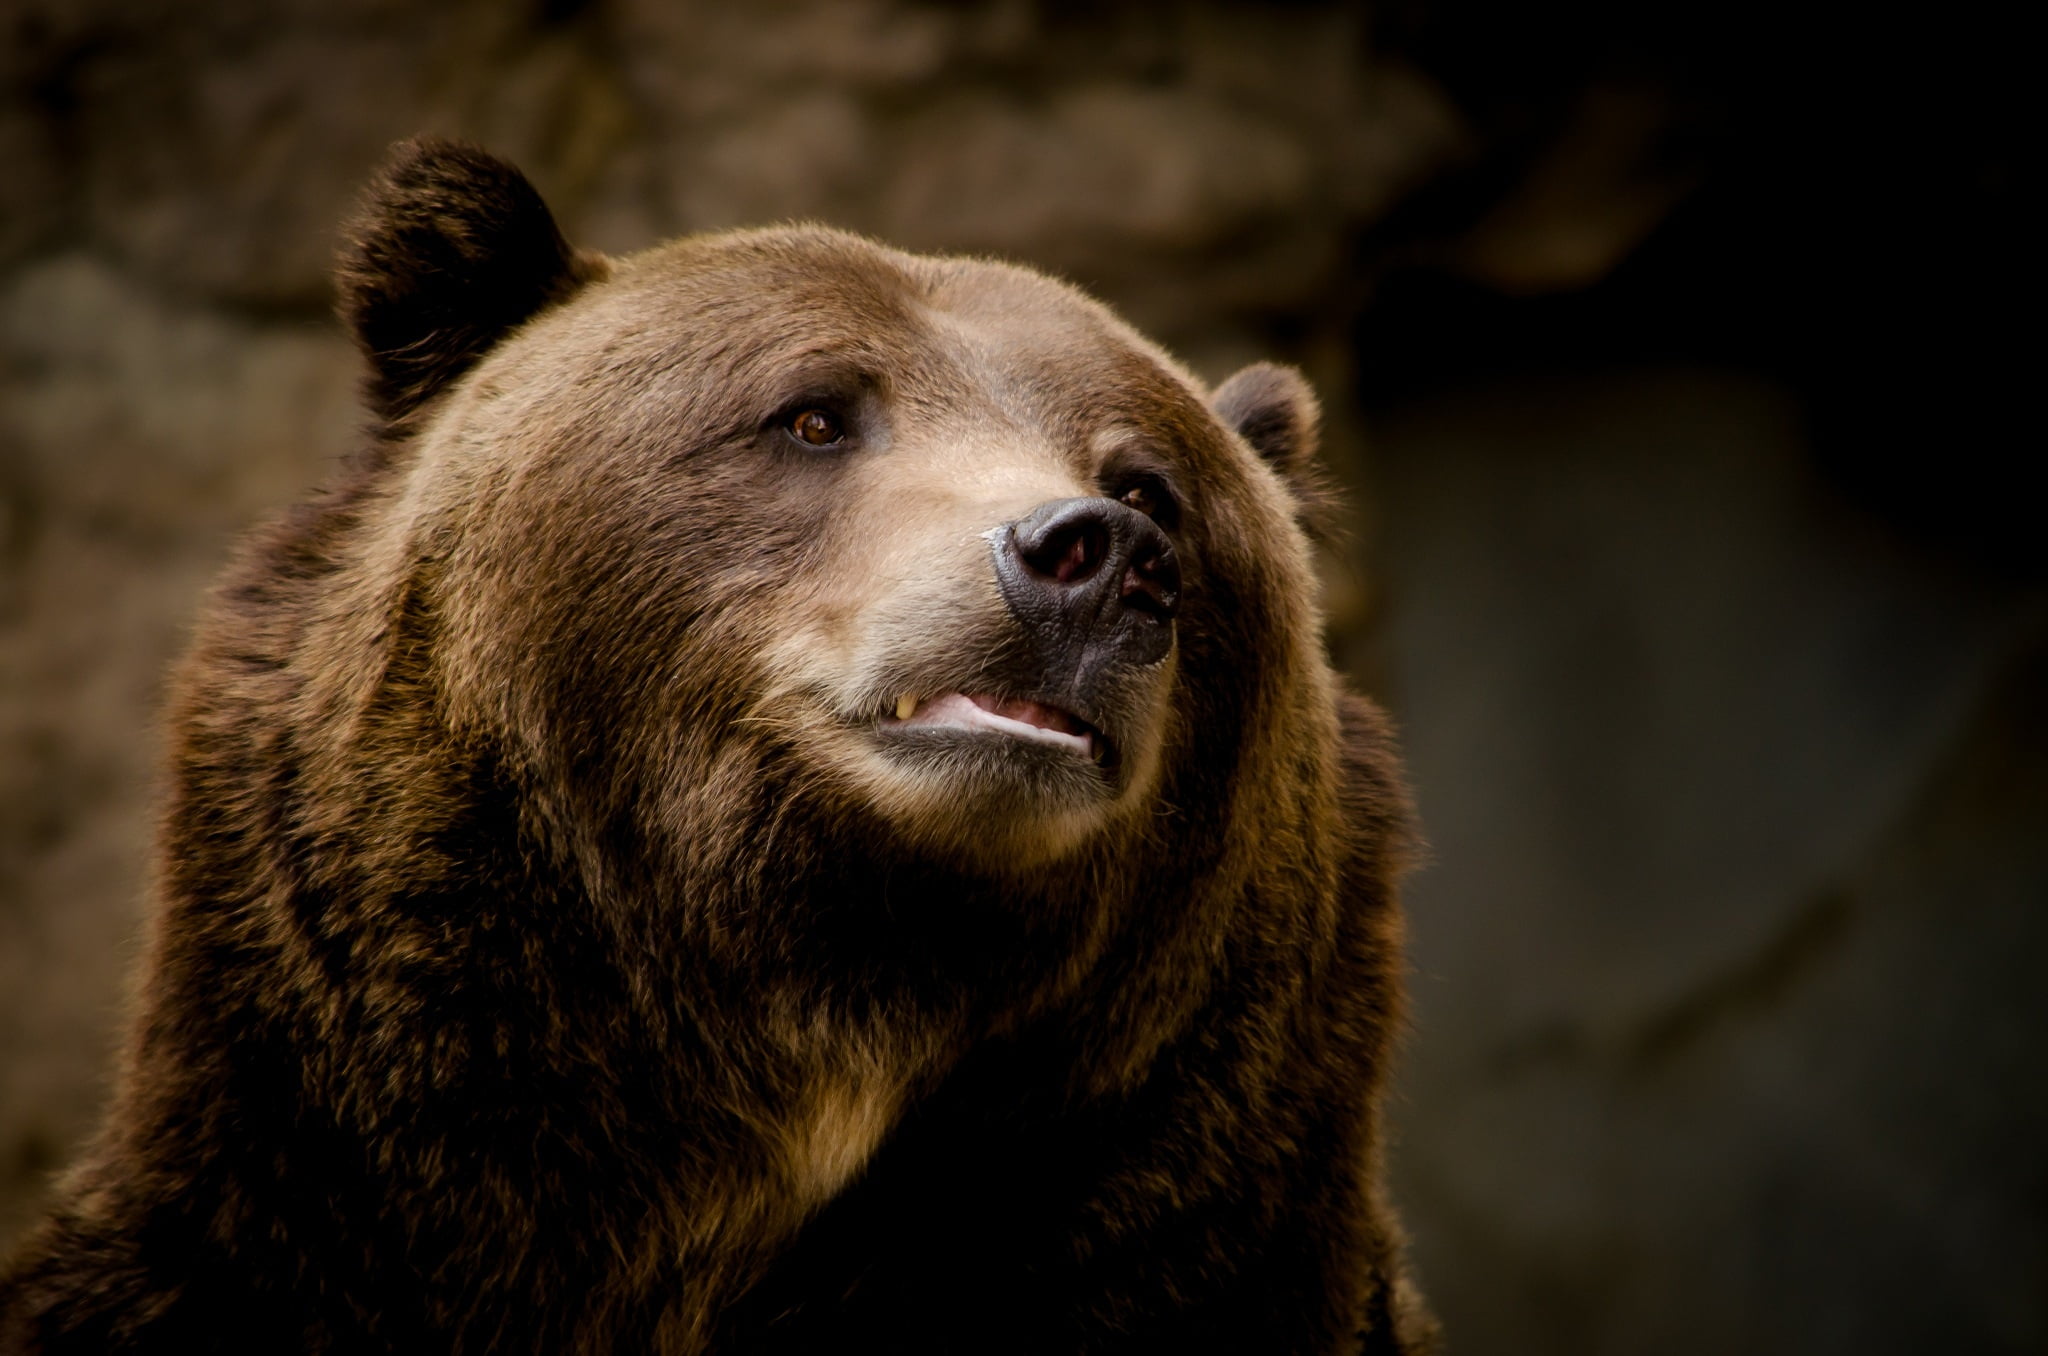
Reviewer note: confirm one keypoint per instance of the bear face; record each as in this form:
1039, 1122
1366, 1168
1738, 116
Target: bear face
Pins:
791, 799
926, 530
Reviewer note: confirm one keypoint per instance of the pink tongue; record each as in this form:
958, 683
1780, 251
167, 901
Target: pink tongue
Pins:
1031, 713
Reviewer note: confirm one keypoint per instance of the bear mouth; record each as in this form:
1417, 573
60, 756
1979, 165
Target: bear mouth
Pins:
1018, 718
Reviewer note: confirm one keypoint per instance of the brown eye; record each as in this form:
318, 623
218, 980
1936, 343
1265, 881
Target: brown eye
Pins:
819, 428
1141, 498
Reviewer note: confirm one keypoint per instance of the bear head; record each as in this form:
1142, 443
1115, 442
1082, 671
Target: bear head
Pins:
936, 546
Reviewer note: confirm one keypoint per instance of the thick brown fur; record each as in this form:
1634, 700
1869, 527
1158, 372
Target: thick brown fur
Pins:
550, 958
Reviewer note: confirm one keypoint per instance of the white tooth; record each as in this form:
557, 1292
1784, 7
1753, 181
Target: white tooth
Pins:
906, 706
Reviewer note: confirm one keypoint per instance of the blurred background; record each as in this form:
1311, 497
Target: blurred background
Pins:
1667, 357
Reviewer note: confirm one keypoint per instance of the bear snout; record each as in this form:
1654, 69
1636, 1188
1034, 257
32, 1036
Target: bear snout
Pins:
1092, 582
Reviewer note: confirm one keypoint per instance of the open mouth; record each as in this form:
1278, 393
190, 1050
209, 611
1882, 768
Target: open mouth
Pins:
1016, 717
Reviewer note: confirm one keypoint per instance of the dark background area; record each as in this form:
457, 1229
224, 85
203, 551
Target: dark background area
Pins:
1671, 355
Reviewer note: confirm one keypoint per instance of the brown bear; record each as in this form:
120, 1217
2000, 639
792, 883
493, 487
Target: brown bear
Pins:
790, 800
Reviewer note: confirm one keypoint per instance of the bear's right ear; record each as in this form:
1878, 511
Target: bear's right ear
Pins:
450, 250
1273, 409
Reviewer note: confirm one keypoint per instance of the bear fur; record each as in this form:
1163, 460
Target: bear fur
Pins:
592, 919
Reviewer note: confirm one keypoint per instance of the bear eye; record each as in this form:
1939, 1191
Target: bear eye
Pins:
1150, 495
819, 428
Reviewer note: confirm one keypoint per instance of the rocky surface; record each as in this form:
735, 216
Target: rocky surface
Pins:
1729, 1031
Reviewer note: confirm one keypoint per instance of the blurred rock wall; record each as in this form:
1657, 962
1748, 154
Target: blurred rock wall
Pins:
1727, 1029
1730, 1025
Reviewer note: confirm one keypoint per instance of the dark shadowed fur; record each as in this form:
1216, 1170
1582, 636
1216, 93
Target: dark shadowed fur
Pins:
518, 985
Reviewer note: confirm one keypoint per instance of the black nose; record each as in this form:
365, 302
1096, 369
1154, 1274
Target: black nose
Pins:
1093, 572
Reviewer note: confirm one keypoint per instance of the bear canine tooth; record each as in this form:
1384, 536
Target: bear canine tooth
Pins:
906, 706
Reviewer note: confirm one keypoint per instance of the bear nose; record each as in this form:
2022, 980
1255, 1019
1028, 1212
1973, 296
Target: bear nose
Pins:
1088, 563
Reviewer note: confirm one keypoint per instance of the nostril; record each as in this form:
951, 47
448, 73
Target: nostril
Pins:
1151, 583
1070, 553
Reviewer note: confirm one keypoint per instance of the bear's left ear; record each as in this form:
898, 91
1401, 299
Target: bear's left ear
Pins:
450, 250
1272, 408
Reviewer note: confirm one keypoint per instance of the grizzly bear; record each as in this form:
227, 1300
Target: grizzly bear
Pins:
791, 799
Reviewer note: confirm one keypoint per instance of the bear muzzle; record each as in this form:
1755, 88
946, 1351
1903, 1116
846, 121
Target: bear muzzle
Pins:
1091, 587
